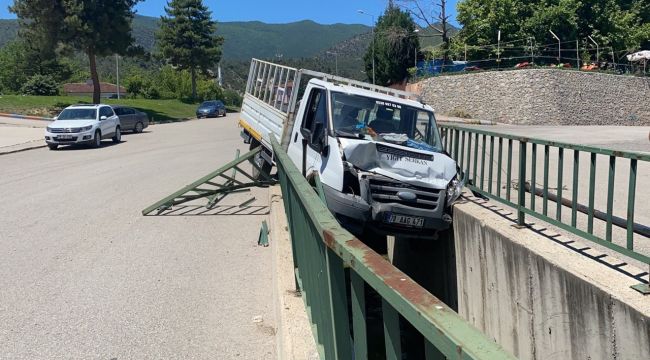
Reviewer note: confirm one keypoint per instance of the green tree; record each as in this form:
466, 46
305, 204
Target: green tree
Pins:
621, 25
395, 44
14, 67
97, 28
187, 38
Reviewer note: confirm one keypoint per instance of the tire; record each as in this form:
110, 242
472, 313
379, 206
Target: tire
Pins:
97, 139
260, 162
118, 135
138, 128
53, 146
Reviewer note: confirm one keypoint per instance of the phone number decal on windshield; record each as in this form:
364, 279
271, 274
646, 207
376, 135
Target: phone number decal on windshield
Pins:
387, 104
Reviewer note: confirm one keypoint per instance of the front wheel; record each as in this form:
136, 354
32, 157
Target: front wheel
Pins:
118, 135
97, 140
53, 146
138, 127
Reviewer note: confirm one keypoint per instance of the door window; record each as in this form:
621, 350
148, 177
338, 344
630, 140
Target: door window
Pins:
316, 117
105, 111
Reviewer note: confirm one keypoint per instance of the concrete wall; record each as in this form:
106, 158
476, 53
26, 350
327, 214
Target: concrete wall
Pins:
541, 97
539, 299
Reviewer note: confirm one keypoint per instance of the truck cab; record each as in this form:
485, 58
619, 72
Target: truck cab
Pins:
379, 158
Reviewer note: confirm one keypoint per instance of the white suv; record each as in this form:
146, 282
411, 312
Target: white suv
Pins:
83, 124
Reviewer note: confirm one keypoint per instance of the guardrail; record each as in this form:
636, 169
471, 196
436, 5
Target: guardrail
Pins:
323, 252
474, 151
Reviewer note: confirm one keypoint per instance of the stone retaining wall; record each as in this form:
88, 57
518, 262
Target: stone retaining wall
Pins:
541, 97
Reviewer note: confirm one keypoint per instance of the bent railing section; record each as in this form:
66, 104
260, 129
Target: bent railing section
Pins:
323, 252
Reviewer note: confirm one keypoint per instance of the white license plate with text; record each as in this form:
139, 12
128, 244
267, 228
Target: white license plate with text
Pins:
397, 219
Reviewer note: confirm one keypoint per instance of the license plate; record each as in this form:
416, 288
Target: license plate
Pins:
397, 219
64, 137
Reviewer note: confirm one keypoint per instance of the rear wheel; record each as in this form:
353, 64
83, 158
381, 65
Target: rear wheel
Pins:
261, 163
53, 146
118, 135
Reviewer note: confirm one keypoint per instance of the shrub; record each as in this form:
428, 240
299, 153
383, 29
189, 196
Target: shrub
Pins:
207, 90
231, 97
40, 85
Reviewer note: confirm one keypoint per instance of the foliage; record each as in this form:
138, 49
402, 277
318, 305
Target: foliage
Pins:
97, 28
19, 61
394, 47
14, 67
187, 38
619, 25
43, 85
159, 110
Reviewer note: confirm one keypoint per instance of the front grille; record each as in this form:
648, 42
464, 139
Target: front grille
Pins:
385, 190
65, 130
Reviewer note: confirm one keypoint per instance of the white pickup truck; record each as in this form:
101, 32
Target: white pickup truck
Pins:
377, 151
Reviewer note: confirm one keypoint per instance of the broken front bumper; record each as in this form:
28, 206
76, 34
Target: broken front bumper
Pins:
381, 199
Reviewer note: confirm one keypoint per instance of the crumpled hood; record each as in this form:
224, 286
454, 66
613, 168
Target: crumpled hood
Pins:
401, 163
59, 124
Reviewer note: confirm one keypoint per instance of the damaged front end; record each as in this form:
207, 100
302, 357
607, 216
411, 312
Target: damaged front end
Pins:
394, 190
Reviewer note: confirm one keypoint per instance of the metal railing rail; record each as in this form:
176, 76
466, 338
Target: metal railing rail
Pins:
463, 144
322, 250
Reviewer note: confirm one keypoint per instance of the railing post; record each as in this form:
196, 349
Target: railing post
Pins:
456, 144
521, 201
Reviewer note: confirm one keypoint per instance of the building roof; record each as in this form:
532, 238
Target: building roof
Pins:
83, 88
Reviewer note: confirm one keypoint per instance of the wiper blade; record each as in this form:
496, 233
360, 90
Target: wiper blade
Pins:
347, 134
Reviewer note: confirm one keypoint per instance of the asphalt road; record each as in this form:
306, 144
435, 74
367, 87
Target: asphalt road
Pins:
83, 275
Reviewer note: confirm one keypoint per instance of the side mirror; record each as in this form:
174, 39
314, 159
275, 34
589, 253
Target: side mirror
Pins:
55, 118
103, 118
306, 134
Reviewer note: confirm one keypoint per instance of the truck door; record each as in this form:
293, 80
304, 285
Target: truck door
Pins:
310, 135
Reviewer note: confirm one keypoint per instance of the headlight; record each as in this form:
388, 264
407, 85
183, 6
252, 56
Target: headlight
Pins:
49, 129
454, 190
86, 128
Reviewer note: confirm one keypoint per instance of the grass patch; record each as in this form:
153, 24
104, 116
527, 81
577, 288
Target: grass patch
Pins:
49, 106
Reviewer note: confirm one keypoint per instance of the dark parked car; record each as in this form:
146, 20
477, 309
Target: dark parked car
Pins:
131, 119
211, 109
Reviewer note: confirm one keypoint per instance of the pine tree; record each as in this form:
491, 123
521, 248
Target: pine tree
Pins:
187, 38
395, 45
98, 28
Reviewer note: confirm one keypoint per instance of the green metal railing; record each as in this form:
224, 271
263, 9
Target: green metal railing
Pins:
474, 151
323, 252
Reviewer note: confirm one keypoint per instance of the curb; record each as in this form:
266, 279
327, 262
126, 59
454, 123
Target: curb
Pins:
27, 117
33, 147
294, 336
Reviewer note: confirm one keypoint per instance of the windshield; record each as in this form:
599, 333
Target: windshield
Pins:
207, 104
372, 119
78, 114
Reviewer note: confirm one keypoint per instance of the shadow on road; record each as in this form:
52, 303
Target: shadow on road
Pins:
105, 144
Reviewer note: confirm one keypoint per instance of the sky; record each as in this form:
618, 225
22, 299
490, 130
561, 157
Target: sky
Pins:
279, 11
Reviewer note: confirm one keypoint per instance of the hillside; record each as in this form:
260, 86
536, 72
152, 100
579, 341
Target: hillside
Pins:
244, 40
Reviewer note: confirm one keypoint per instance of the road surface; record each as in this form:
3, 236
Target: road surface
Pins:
83, 275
